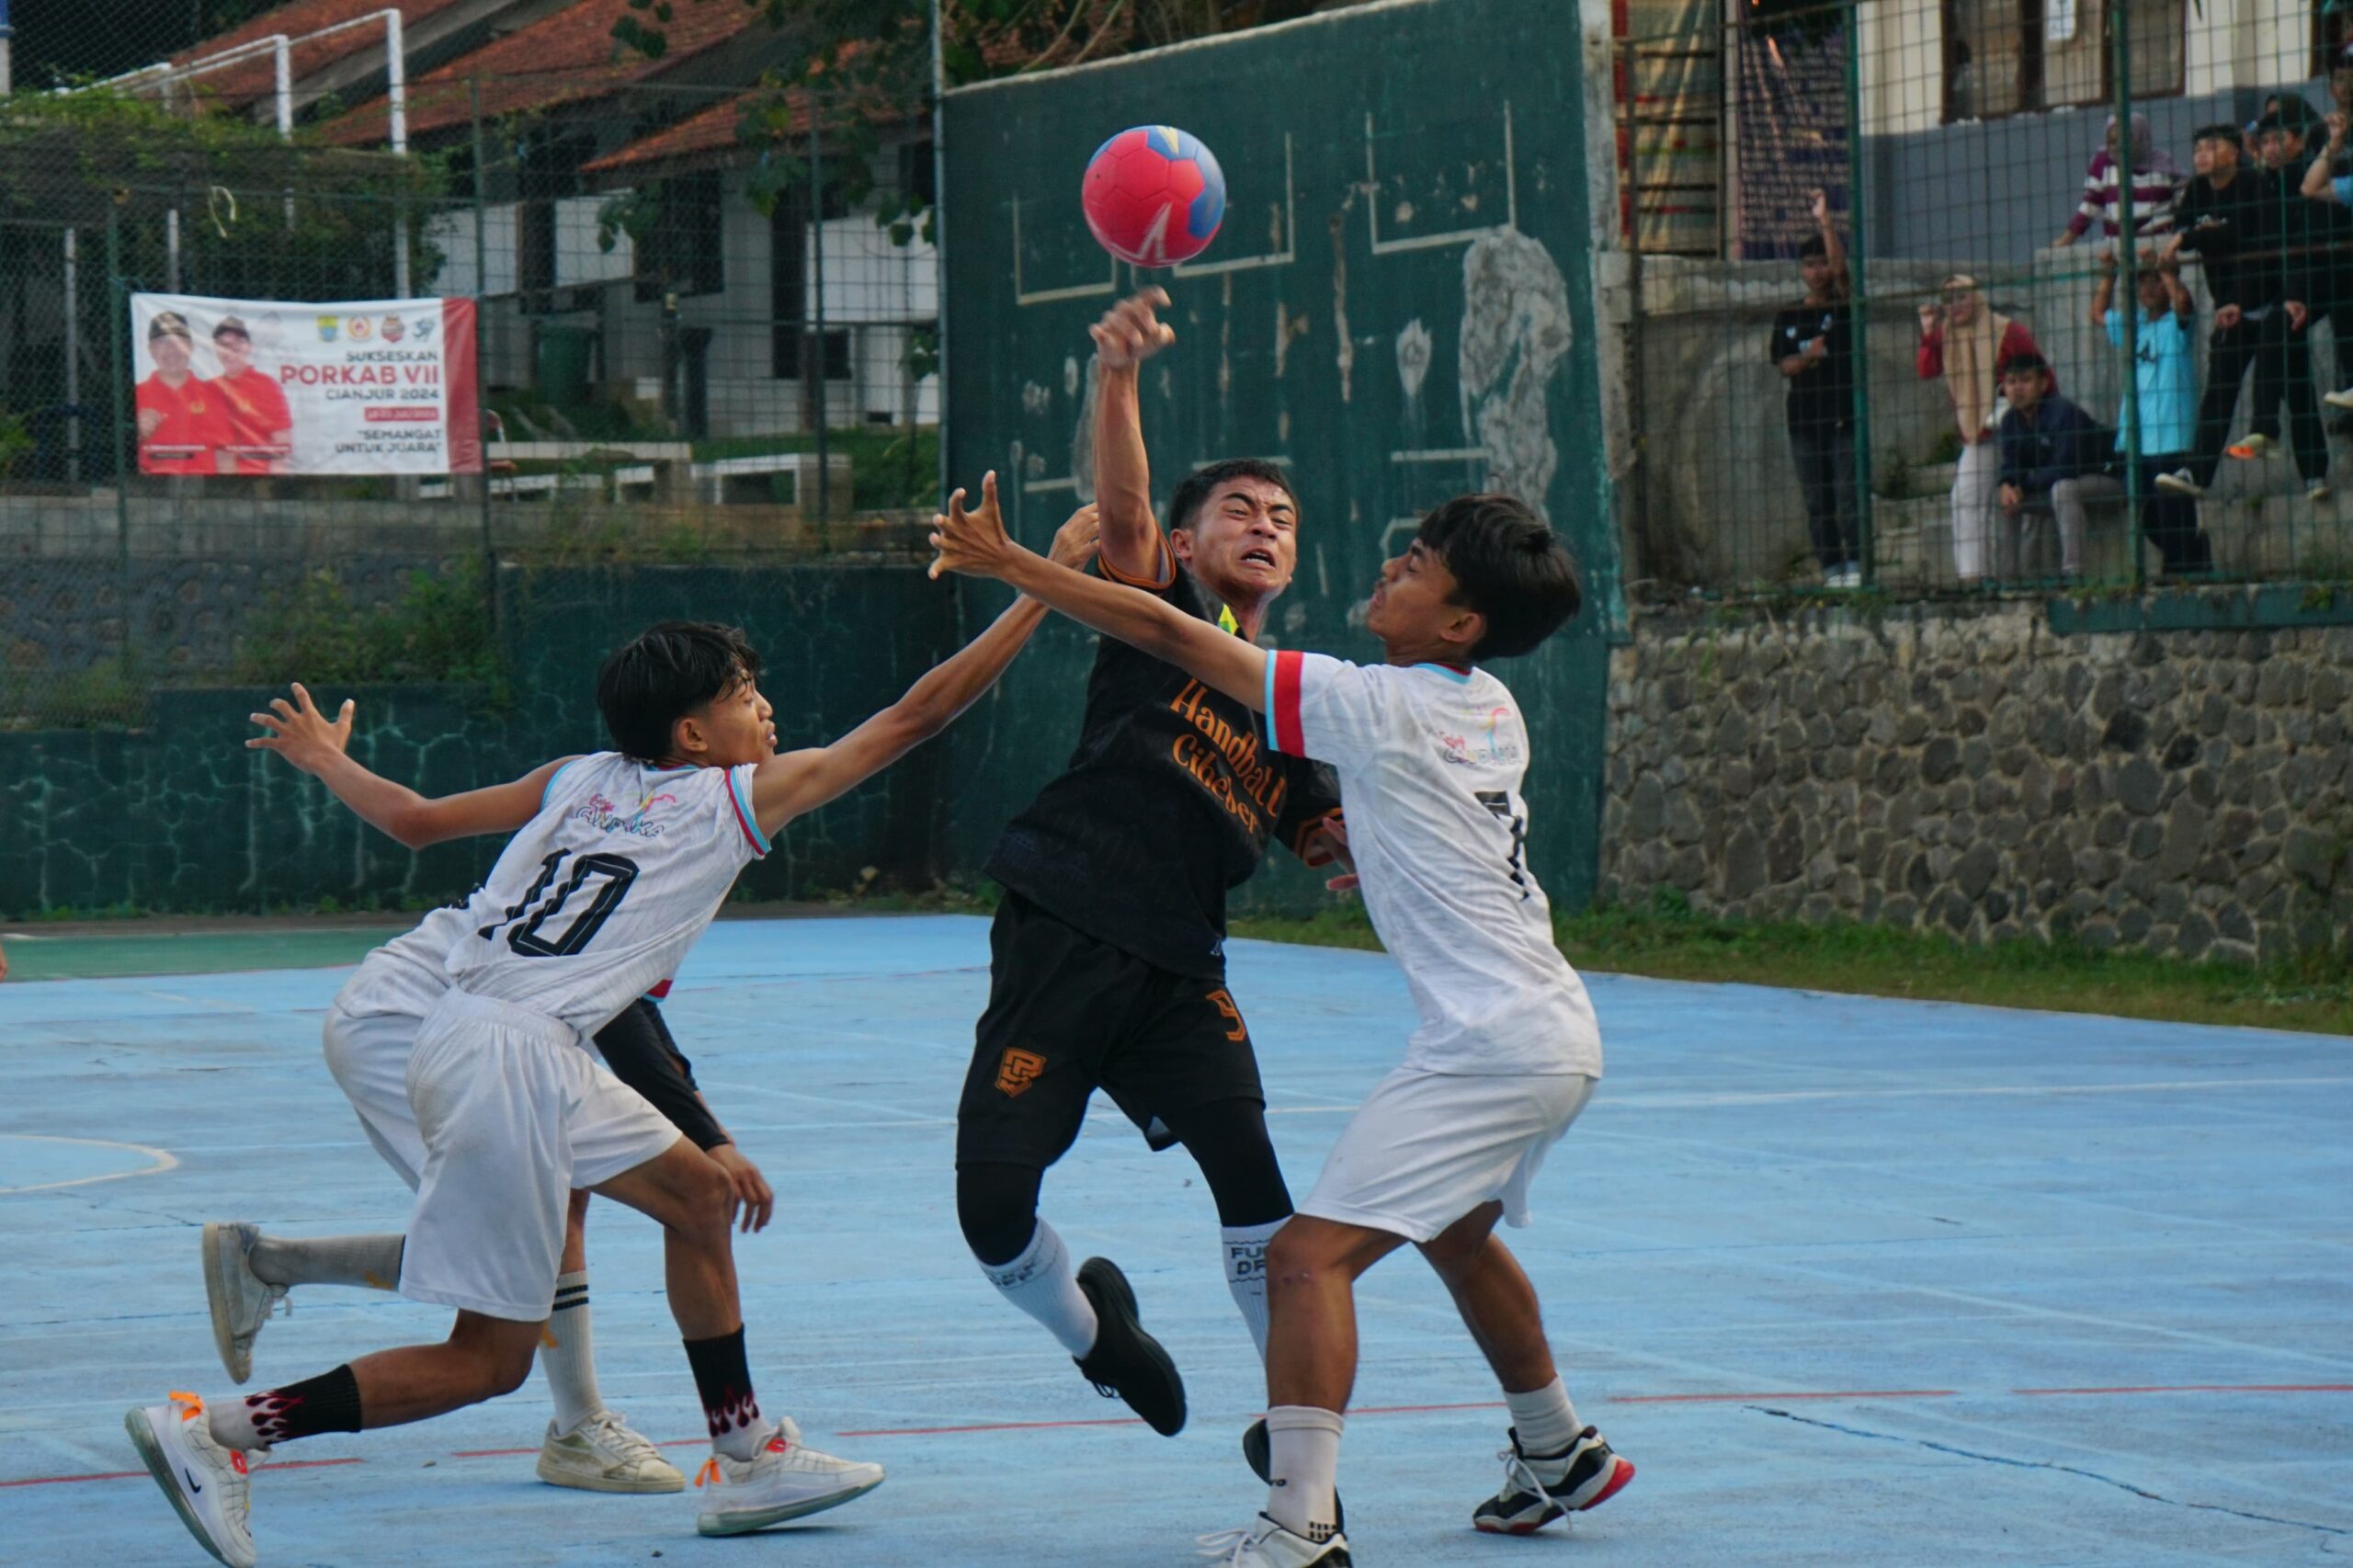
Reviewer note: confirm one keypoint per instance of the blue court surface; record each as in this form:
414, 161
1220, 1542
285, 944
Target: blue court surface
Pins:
1851, 1282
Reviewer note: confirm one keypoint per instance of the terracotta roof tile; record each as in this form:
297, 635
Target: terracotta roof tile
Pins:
570, 57
250, 80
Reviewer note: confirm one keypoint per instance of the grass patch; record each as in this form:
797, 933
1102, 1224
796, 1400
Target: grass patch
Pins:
2313, 993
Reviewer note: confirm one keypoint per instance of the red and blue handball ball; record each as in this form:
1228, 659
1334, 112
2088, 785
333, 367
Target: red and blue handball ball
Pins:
1154, 195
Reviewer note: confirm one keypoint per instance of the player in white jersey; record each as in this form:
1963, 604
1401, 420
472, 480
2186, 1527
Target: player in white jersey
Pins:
369, 1034
598, 898
1430, 752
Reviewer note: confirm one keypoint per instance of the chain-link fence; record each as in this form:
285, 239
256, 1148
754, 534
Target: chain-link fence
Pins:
1878, 336
704, 328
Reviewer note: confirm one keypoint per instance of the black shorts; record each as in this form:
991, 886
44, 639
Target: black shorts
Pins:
1068, 1015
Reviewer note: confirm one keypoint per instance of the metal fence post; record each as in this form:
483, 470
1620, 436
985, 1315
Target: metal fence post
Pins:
817, 311
1859, 292
2128, 284
124, 419
482, 352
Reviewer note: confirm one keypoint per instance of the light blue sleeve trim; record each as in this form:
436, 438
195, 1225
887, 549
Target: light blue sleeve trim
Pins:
744, 806
2342, 189
1456, 676
549, 793
1270, 714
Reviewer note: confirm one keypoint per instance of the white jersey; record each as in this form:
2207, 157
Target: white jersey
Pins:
1430, 761
600, 895
406, 975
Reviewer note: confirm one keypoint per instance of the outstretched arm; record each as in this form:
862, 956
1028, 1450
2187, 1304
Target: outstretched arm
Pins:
785, 786
974, 544
303, 736
1129, 333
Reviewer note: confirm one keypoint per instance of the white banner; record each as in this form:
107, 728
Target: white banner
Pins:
261, 387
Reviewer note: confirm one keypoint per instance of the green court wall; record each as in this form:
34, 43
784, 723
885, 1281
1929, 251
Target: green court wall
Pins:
1399, 306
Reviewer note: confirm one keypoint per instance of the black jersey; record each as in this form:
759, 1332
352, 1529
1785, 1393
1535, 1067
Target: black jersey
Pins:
1169, 799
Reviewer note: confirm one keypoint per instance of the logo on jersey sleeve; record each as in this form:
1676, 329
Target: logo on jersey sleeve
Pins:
1018, 1071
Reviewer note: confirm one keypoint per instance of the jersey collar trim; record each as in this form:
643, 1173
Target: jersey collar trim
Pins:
1459, 673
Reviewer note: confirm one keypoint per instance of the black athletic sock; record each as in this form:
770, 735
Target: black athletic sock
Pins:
328, 1403
724, 1378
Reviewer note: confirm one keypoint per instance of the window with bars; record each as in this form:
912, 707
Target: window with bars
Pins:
2007, 57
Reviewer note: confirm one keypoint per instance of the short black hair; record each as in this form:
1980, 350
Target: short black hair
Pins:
1509, 566
671, 669
2017, 362
1195, 493
2220, 131
1813, 245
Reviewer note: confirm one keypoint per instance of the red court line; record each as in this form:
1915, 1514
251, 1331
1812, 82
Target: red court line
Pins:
137, 1474
1728, 1398
2207, 1388
509, 1453
989, 1427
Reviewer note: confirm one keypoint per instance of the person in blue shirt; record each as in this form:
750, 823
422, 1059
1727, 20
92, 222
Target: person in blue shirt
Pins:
2165, 380
2054, 456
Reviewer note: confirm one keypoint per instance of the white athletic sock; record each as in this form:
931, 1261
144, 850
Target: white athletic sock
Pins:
1545, 1420
1303, 1458
231, 1421
1041, 1283
368, 1263
1245, 1275
567, 1353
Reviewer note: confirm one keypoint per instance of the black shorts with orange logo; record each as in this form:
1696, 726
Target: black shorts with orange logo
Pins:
1069, 1015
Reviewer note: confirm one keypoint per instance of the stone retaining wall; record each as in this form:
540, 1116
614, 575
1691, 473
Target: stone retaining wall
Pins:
1969, 769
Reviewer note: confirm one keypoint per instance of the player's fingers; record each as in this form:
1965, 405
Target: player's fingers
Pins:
1154, 293
956, 512
988, 491
282, 707
302, 699
343, 716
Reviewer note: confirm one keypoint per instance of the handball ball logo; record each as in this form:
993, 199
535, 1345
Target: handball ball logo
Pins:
1154, 195
359, 329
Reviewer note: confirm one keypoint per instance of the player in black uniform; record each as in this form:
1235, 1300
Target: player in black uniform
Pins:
1107, 961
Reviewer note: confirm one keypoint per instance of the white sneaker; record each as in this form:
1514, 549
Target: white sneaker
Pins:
603, 1454
783, 1480
205, 1483
2181, 482
2318, 492
2339, 399
241, 1300
1267, 1545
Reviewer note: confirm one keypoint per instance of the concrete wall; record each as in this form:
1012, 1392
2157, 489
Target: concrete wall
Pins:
1976, 772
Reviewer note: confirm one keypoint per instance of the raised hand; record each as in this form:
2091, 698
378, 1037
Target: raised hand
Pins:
1132, 331
1817, 206
300, 733
1075, 540
972, 544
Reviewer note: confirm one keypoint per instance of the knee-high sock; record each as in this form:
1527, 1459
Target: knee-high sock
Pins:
1245, 1275
370, 1263
1041, 1283
568, 1355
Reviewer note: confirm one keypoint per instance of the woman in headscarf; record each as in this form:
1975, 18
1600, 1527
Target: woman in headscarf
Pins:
2155, 180
1966, 342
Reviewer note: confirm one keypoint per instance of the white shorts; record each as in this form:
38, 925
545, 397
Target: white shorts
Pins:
515, 1111
1425, 1148
368, 1053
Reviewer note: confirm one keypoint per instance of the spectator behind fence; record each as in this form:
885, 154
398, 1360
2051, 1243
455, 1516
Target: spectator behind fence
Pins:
2230, 217
2155, 182
2055, 460
1964, 340
2325, 186
2165, 379
2310, 234
1812, 345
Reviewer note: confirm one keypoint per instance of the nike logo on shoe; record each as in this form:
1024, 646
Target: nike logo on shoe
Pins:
193, 1484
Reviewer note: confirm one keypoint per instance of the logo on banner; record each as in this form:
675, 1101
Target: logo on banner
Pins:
328, 328
423, 330
359, 329
393, 330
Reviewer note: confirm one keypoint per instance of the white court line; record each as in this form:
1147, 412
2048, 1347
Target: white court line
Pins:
164, 1162
1692, 1102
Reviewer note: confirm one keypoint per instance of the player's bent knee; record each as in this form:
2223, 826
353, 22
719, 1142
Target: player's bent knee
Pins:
996, 1205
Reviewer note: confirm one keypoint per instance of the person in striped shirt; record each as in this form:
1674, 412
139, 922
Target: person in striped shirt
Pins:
2154, 181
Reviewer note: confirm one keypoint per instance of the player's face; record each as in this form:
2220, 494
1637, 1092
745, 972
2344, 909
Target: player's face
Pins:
1412, 606
235, 353
735, 727
169, 352
1244, 542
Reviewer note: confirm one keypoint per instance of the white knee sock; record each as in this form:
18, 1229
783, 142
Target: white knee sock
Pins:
1545, 1420
568, 1355
1041, 1283
1303, 1455
371, 1263
1245, 1275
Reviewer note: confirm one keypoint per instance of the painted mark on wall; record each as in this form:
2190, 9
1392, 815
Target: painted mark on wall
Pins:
1412, 358
1347, 347
1515, 335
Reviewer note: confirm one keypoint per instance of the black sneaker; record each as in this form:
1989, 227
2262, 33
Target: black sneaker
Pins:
1257, 1450
1539, 1488
1127, 1363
